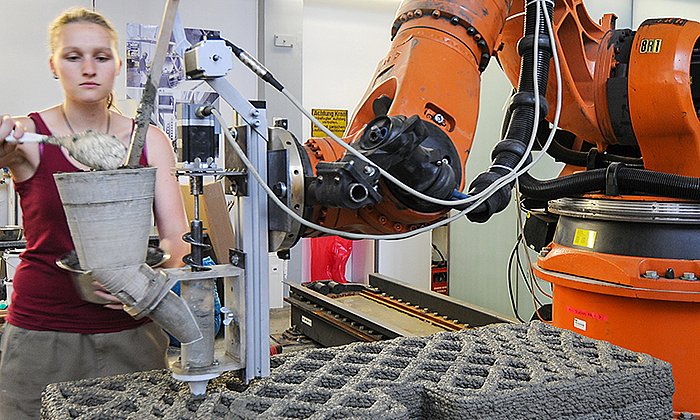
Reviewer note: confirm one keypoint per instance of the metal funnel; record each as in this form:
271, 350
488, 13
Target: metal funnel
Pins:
109, 217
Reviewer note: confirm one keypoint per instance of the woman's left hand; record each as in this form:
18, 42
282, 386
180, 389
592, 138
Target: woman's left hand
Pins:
103, 293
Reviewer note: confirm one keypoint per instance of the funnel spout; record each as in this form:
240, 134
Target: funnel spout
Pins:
175, 317
146, 292
97, 204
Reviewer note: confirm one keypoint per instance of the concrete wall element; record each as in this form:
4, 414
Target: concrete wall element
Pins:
498, 372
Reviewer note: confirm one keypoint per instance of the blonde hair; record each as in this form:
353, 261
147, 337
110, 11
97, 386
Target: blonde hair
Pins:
78, 15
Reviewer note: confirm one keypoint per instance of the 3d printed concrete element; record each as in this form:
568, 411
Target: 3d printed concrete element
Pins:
496, 372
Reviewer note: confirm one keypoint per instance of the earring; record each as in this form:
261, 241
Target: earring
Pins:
55, 76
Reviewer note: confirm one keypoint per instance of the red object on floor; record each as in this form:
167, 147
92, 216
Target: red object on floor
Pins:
275, 349
329, 256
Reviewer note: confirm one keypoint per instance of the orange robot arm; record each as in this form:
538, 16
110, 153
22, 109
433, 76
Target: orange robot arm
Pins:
622, 87
418, 117
628, 94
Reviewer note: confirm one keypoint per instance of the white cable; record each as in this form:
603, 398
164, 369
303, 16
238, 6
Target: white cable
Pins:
449, 203
312, 225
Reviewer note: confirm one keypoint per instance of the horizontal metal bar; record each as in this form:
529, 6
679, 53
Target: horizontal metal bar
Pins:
186, 273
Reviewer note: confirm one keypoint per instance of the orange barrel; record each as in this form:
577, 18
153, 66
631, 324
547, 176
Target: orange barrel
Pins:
626, 271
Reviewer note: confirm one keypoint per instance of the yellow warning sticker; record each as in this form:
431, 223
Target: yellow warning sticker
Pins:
585, 238
335, 119
650, 46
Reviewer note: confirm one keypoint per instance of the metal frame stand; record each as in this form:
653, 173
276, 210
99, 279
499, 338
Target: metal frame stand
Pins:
251, 227
247, 322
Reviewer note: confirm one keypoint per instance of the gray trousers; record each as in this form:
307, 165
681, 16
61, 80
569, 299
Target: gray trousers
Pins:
30, 360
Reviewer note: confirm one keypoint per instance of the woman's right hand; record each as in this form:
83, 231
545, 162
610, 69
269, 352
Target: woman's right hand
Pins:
9, 153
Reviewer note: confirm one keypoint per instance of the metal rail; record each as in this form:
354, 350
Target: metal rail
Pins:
341, 319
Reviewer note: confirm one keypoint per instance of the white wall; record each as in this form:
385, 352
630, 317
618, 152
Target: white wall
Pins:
343, 42
645, 9
282, 18
621, 8
27, 83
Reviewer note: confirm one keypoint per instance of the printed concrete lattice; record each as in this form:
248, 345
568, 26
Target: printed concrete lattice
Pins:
496, 372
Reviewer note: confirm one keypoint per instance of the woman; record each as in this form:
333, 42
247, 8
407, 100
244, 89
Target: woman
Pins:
52, 335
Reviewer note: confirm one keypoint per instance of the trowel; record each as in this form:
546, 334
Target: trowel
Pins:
96, 150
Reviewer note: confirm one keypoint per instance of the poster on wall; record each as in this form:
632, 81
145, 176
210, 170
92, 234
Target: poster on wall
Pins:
173, 88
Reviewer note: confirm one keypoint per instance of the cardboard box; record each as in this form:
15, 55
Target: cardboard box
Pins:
213, 211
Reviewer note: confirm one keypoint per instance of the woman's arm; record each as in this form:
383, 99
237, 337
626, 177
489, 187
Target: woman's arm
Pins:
169, 208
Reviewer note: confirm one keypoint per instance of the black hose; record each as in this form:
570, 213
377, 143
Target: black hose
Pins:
512, 148
591, 159
625, 180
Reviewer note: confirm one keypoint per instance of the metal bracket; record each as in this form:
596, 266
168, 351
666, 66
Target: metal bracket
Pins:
237, 257
239, 184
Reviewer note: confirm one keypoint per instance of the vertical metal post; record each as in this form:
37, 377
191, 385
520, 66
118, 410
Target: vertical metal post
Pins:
251, 226
255, 243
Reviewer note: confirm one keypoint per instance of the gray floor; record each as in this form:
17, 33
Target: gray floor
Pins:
280, 320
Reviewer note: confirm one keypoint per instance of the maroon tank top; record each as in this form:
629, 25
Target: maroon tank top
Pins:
44, 297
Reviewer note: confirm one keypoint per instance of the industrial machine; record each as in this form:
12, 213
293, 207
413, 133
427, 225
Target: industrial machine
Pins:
619, 107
